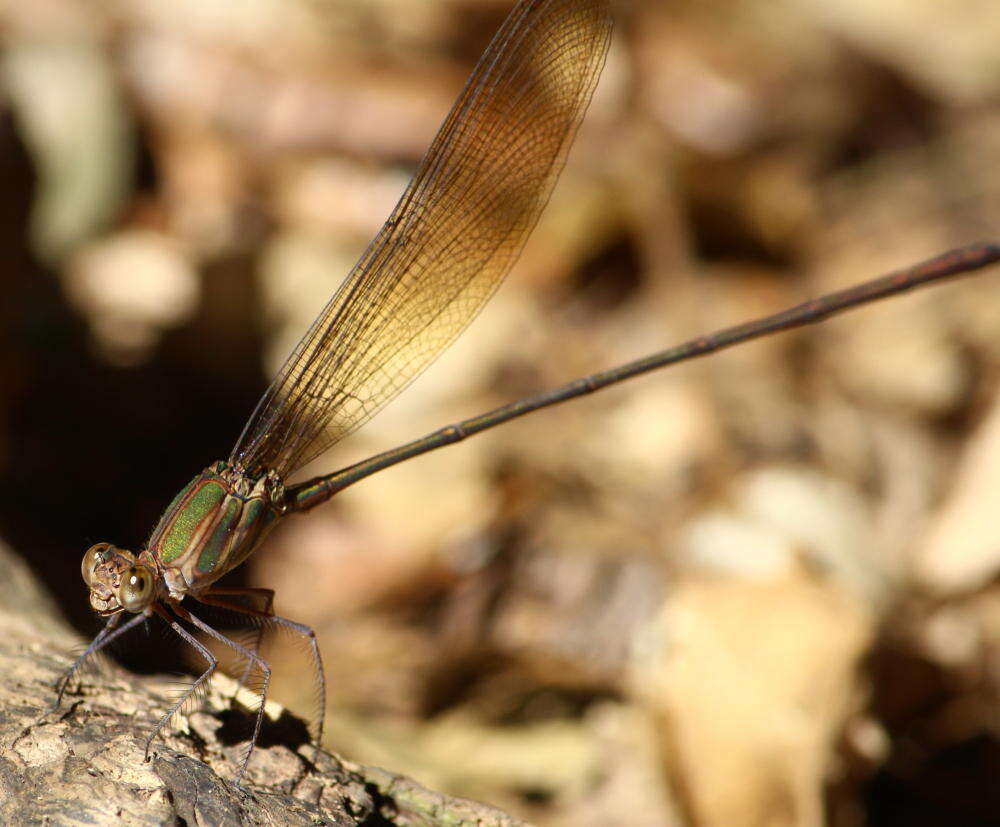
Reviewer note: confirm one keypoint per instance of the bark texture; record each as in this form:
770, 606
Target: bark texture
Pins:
83, 763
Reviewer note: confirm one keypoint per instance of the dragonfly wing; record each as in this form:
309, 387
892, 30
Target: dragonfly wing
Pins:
453, 236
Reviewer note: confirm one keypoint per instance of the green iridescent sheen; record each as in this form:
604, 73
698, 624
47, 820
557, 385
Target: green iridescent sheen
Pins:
256, 518
176, 501
178, 537
221, 535
254, 507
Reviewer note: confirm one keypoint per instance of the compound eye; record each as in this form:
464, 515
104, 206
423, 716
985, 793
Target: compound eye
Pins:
93, 556
136, 590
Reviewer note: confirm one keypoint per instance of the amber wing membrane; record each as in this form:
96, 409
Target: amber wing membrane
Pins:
453, 236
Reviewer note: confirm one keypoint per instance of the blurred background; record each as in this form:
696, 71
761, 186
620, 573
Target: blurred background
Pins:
758, 589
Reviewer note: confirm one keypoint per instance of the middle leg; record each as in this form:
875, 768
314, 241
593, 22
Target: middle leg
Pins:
218, 597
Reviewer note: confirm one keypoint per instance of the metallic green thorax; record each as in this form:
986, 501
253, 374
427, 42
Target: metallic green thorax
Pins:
213, 525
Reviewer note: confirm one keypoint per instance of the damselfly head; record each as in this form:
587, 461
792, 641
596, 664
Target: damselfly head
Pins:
117, 581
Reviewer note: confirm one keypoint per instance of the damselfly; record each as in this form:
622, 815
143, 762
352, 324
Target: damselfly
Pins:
442, 253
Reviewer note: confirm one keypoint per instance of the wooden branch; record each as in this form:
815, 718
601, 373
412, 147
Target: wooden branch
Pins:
84, 762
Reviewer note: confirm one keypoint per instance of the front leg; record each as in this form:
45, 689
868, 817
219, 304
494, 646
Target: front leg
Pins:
105, 637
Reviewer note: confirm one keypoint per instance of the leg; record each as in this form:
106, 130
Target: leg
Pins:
251, 656
204, 676
106, 636
266, 596
216, 597
265, 600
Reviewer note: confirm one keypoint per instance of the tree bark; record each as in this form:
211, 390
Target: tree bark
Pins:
84, 762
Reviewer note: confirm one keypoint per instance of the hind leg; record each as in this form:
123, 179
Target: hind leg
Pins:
218, 597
